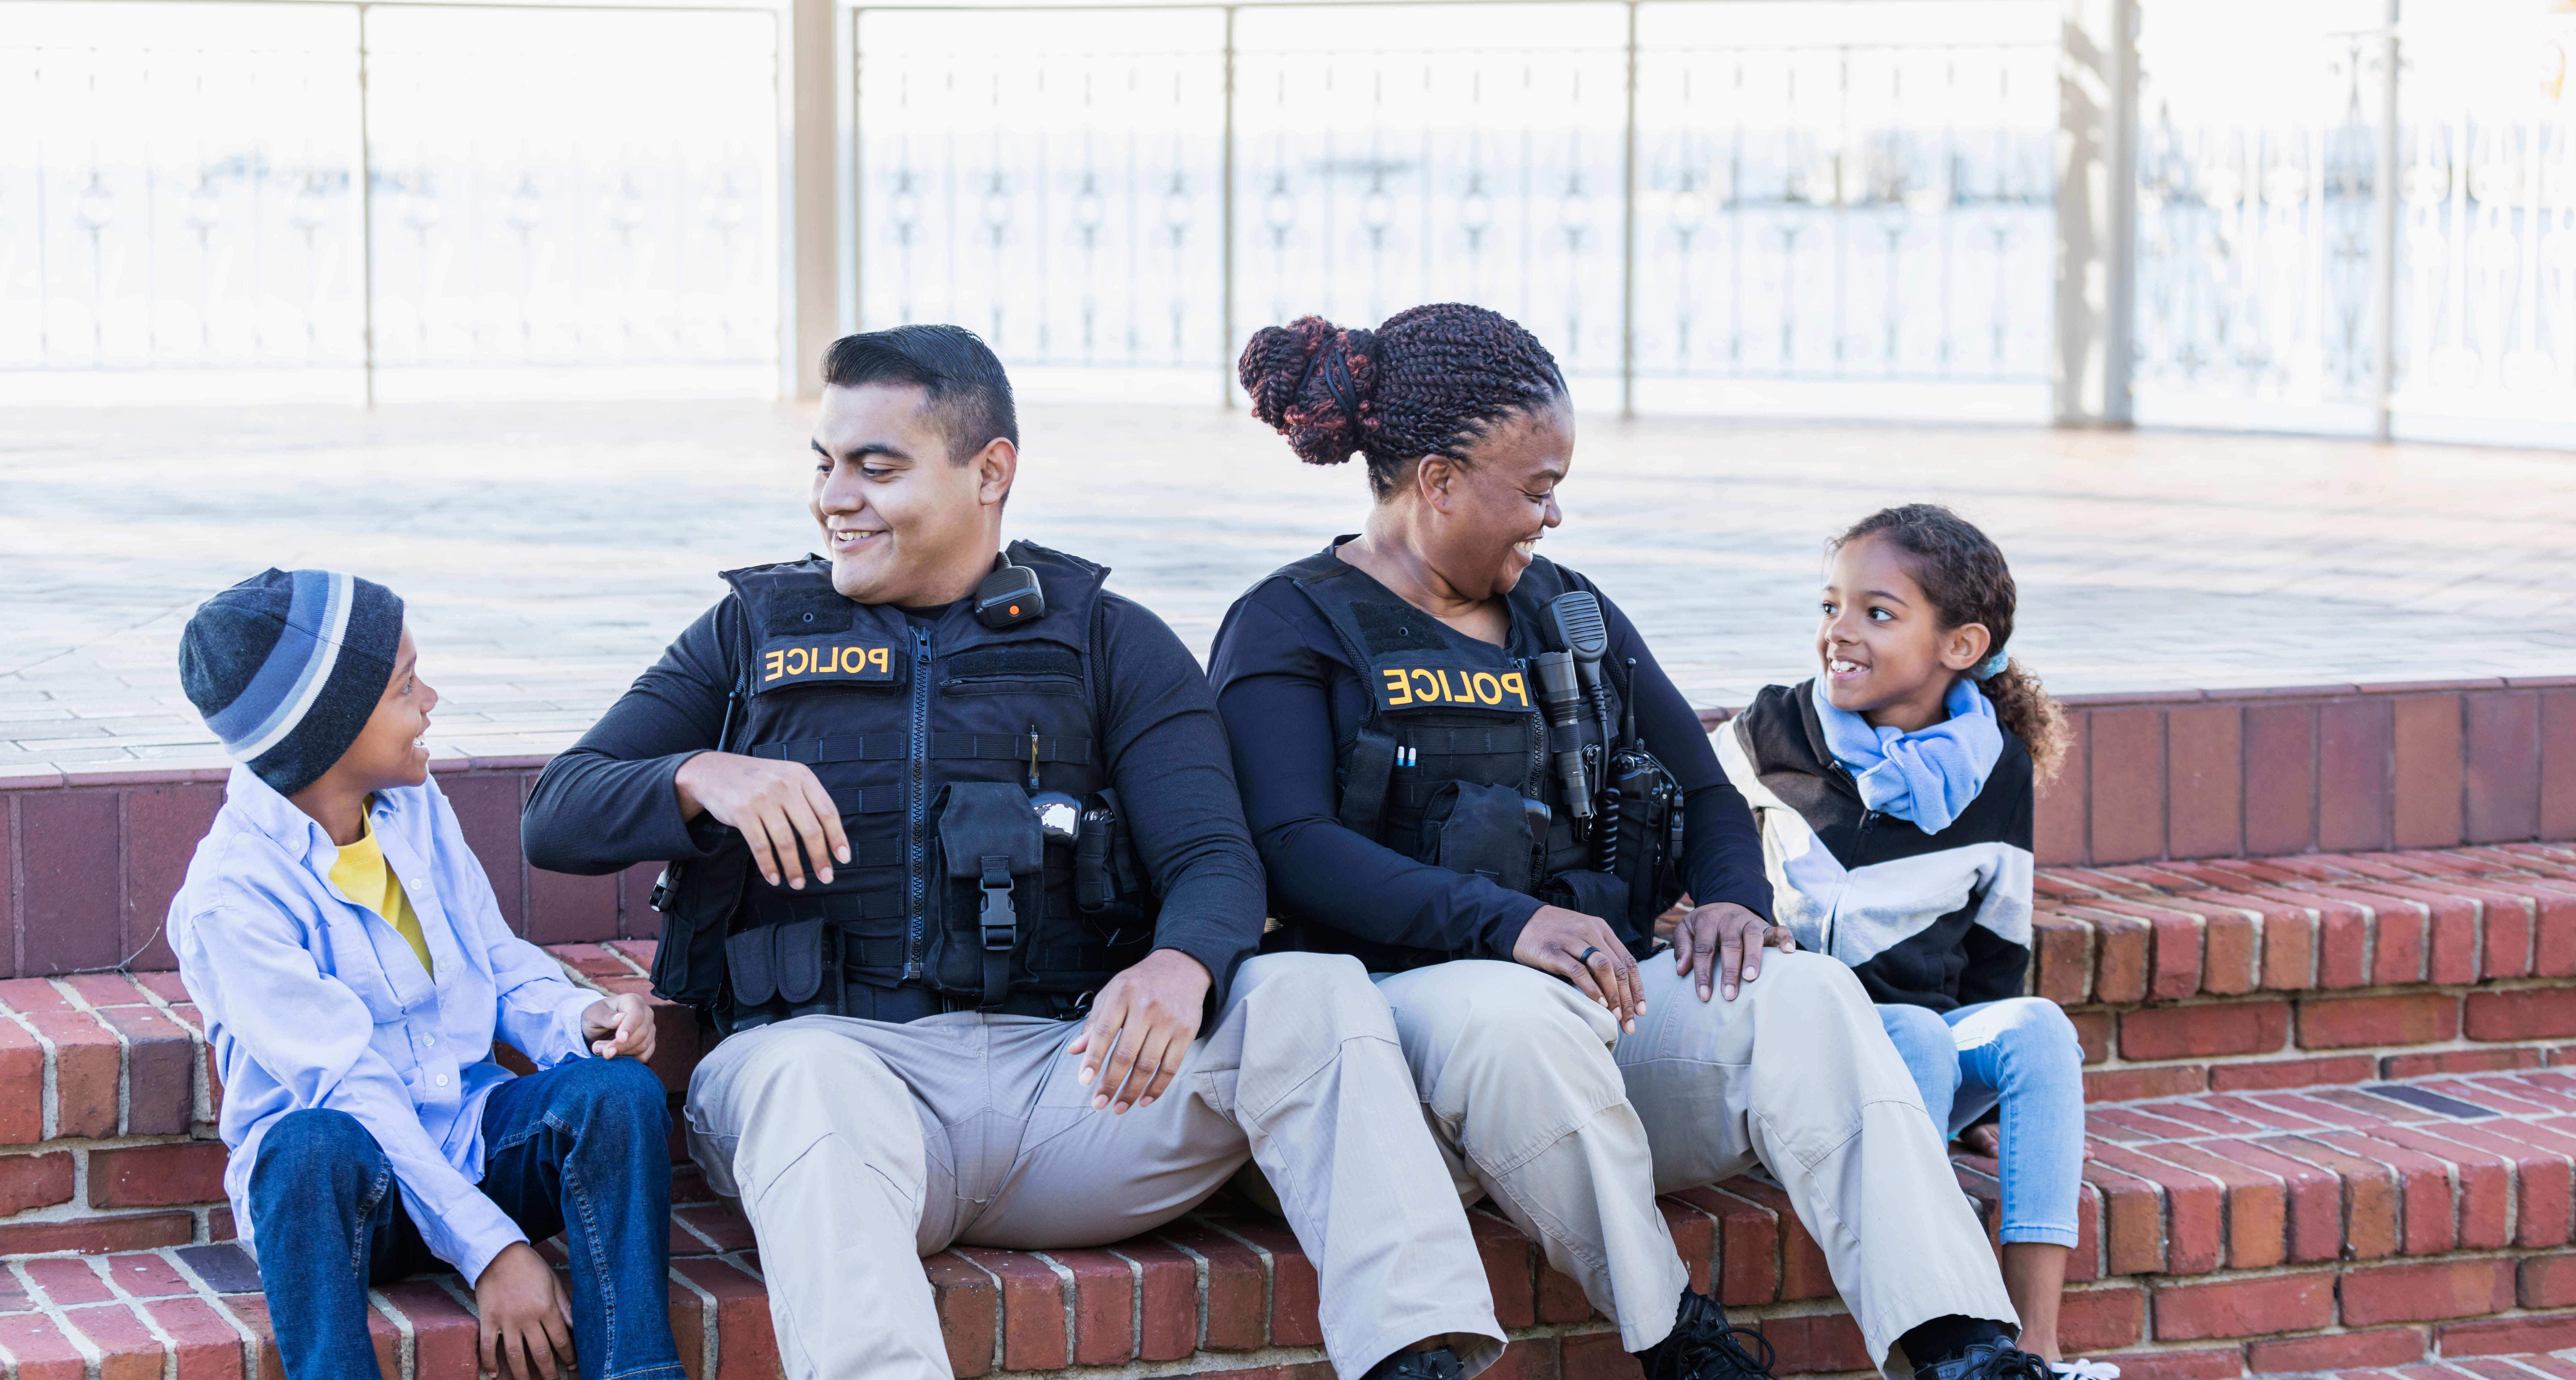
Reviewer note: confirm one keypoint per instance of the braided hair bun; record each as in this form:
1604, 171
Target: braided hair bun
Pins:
1429, 381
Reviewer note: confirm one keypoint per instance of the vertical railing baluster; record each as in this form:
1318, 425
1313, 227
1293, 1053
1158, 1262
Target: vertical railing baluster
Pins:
1225, 225
366, 222
2383, 239
1628, 239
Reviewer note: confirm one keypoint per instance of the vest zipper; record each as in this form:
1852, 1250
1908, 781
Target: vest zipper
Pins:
1534, 784
917, 807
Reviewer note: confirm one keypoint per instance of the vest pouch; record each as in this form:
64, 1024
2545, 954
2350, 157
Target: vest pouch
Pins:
697, 899
1108, 878
992, 889
783, 971
1483, 831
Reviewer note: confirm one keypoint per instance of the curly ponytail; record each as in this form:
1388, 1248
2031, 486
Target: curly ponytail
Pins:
1963, 573
1428, 382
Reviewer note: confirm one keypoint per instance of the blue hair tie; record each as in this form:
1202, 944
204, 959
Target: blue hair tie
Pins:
1992, 666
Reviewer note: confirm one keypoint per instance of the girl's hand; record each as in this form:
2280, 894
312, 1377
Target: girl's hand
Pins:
1986, 1139
1728, 938
622, 1024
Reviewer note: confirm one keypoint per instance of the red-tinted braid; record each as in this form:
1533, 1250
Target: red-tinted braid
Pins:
1428, 382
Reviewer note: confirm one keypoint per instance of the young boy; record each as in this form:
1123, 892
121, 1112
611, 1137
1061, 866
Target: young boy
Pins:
354, 969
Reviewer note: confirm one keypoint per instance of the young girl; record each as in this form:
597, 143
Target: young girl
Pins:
1894, 792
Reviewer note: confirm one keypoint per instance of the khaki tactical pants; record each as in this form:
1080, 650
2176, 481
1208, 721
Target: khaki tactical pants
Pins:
858, 1146
1573, 1128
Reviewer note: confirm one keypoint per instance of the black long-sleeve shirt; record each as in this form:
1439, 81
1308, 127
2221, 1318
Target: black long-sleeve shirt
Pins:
1289, 695
609, 801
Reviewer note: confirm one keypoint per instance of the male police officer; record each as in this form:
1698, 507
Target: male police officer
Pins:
964, 876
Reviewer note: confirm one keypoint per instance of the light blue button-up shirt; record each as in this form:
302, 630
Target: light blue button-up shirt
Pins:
313, 1000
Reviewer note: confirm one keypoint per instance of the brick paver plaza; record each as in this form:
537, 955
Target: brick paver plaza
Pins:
549, 552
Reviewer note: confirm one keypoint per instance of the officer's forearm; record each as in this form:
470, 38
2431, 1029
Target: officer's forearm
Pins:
593, 814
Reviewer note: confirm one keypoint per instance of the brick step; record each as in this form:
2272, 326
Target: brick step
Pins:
2180, 976
2222, 1234
2320, 968
2542, 1365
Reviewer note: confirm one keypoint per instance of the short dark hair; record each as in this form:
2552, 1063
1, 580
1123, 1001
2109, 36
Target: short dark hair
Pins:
968, 394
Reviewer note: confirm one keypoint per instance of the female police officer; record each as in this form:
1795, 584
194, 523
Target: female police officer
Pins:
1427, 719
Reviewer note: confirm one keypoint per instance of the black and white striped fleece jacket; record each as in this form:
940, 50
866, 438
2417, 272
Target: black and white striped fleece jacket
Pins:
1933, 920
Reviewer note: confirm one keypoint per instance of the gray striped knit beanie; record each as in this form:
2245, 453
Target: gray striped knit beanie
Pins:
287, 667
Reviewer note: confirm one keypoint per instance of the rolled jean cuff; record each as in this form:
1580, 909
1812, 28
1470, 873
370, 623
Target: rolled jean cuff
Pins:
2014, 1235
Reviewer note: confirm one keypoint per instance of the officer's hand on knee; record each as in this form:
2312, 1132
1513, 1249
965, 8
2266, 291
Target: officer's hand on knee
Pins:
1729, 939
524, 1321
1142, 1023
775, 804
1585, 951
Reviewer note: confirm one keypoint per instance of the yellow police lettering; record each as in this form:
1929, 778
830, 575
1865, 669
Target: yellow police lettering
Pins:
799, 661
1432, 695
854, 660
1487, 688
1399, 692
777, 663
1512, 686
876, 658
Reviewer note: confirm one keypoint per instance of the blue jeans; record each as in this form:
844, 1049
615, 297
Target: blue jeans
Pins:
2021, 1052
582, 1148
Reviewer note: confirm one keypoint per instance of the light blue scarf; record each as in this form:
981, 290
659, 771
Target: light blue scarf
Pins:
1927, 776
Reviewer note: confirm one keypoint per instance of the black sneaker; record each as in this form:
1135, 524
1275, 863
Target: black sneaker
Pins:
1439, 1363
1703, 1346
1995, 1360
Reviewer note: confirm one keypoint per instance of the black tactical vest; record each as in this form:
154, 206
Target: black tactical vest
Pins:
1453, 764
932, 741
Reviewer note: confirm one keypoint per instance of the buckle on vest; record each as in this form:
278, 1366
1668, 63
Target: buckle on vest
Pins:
1001, 922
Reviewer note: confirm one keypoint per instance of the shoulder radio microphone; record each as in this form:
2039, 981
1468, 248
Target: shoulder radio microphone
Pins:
1009, 597
1582, 631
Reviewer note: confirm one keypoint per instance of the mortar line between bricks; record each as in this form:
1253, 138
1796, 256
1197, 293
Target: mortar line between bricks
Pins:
714, 1247
1001, 1315
52, 1119
1198, 1287
247, 1340
1269, 1272
251, 1345
17, 897
53, 1312
1066, 1292
707, 1338
406, 1352
106, 1270
1135, 1305
160, 1334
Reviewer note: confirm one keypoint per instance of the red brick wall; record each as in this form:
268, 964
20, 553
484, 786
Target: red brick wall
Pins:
2329, 768
89, 862
2320, 768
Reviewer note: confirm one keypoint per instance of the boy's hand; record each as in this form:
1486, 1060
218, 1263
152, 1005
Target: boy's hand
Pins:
524, 1322
622, 1024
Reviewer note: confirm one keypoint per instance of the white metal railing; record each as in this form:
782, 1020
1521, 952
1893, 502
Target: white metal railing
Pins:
2353, 219
335, 199
1678, 196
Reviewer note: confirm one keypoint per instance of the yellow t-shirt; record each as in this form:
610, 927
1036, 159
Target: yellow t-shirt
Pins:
363, 877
